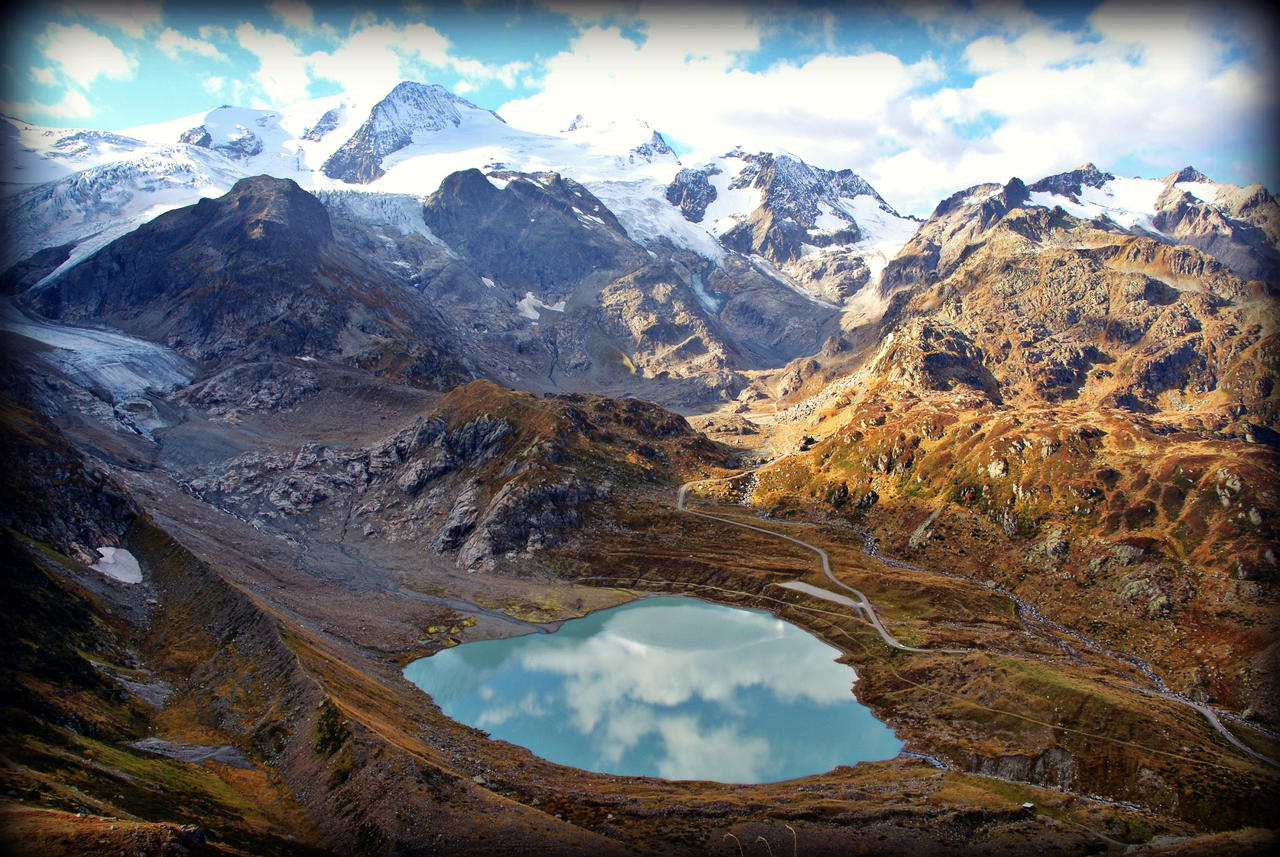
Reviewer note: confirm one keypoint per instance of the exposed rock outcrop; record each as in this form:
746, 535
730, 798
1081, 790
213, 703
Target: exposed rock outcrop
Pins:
524, 517
691, 193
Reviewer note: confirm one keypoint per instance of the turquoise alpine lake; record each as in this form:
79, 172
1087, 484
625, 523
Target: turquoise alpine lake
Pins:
667, 687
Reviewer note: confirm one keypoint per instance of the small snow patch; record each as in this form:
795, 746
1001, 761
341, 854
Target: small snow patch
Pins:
118, 564
710, 304
197, 753
529, 306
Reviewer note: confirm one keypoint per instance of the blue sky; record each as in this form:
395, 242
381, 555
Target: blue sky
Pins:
922, 101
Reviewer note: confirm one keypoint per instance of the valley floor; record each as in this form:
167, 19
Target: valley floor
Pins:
285, 641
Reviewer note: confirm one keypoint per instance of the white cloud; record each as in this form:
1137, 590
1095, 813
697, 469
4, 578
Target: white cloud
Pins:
282, 69
373, 58
175, 44
475, 72
293, 13
214, 85
211, 32
1135, 85
378, 55
44, 75
949, 20
1165, 85
84, 55
686, 80
73, 105
132, 17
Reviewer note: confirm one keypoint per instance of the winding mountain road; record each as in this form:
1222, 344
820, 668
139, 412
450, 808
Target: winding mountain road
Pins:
1159, 688
864, 604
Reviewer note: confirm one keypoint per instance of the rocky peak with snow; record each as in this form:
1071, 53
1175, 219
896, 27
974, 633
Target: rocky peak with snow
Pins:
1239, 226
1186, 174
243, 143
776, 206
795, 190
330, 120
1072, 183
957, 223
629, 142
410, 112
237, 133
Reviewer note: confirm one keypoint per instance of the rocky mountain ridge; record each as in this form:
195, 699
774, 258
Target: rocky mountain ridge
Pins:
256, 272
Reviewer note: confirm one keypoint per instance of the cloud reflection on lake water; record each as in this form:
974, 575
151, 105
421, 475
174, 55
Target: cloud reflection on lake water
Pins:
669, 687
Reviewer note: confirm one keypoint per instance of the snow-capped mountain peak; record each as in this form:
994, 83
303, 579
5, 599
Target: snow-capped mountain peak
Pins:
631, 141
410, 113
405, 143
34, 154
1238, 225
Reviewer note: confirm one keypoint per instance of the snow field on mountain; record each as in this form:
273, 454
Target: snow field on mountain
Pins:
642, 209
1128, 203
1206, 192
285, 151
402, 211
883, 233
100, 203
828, 220
710, 304
731, 205
118, 364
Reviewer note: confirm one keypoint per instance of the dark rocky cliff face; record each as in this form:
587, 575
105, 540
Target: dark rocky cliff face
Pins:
262, 225
543, 235
691, 193
50, 493
1073, 182
253, 273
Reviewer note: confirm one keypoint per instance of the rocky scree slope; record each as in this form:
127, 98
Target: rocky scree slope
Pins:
488, 475
327, 751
